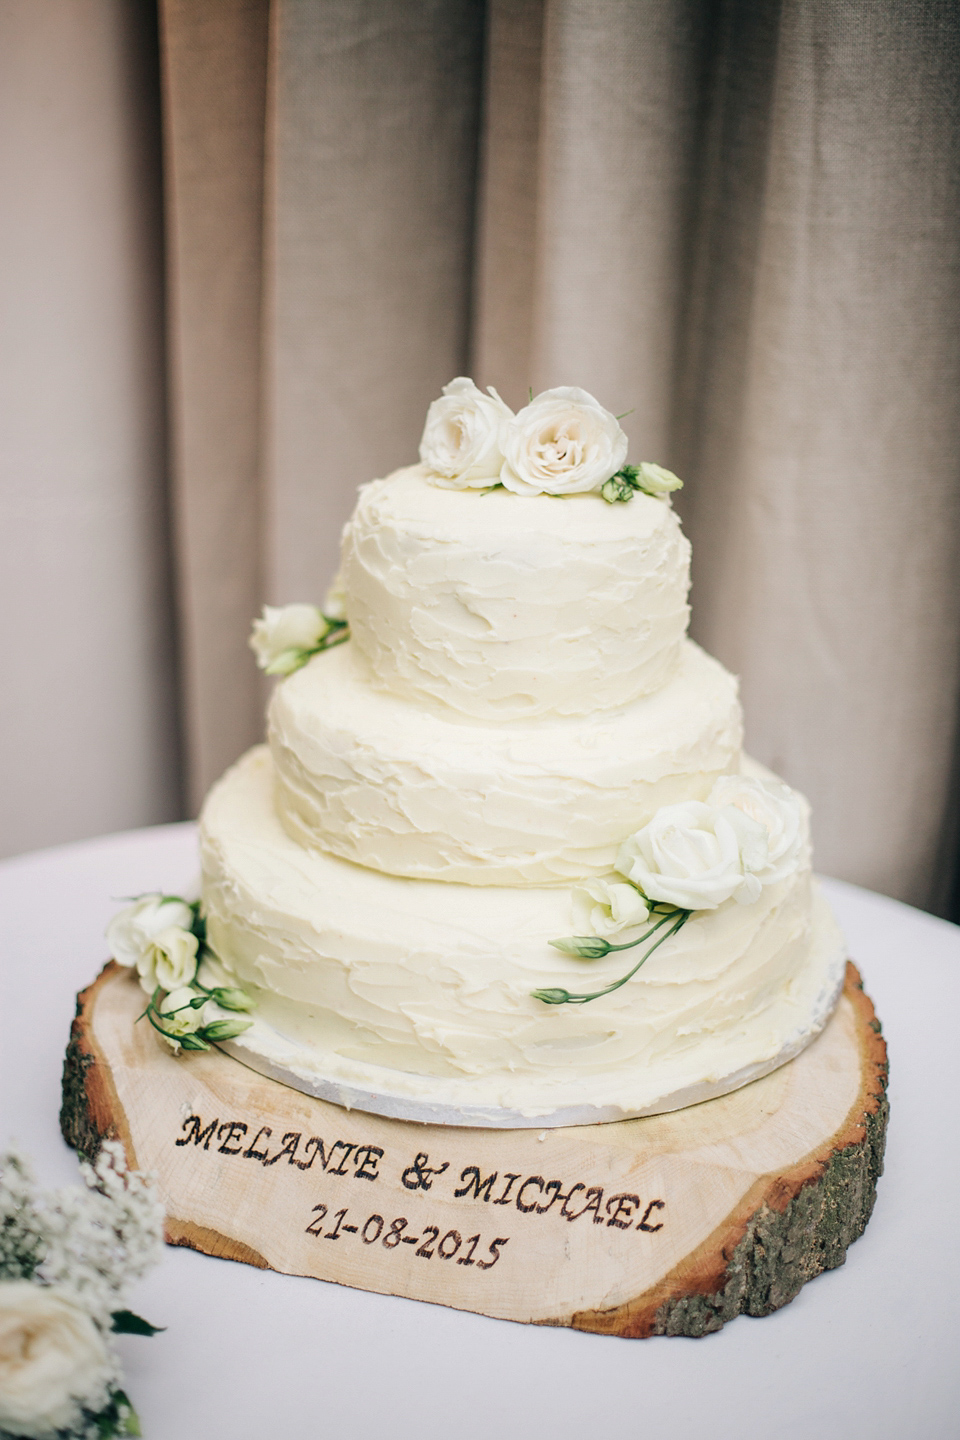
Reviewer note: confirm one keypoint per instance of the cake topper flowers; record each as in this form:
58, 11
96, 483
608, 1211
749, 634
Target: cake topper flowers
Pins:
462, 443
692, 856
562, 443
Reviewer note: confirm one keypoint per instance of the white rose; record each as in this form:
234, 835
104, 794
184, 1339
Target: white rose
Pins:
130, 931
284, 634
563, 443
605, 907
462, 443
778, 809
169, 960
696, 856
178, 1015
52, 1360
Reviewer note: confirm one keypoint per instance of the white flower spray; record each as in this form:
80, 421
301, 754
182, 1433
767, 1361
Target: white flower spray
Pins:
164, 939
67, 1257
689, 857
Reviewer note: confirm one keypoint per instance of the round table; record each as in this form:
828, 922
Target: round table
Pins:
866, 1352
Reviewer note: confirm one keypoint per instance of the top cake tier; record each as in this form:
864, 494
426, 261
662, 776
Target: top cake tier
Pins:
503, 606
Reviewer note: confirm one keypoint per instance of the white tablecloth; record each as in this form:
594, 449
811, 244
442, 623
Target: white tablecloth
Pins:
867, 1352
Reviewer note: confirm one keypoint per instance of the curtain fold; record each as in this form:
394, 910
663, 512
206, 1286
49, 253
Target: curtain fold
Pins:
818, 419
214, 106
372, 177
735, 219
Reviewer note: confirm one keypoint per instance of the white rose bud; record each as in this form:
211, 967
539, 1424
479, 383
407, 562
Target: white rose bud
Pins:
53, 1360
462, 444
562, 443
335, 601
169, 960
179, 1017
130, 931
607, 907
696, 856
285, 636
778, 809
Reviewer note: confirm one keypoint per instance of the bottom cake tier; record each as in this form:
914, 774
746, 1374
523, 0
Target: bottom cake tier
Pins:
413, 998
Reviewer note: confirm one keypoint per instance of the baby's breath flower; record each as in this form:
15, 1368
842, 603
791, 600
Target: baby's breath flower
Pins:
66, 1258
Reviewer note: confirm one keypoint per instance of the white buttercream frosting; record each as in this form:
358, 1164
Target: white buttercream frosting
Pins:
431, 981
505, 606
419, 791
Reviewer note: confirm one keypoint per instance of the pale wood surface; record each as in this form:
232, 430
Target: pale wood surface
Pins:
670, 1224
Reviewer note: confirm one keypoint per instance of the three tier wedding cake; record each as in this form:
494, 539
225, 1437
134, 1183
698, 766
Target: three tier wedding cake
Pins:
502, 862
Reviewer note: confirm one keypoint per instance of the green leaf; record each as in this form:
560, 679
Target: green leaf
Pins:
125, 1322
118, 1417
199, 926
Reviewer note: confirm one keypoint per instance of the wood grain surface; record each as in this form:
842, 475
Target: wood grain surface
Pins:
671, 1224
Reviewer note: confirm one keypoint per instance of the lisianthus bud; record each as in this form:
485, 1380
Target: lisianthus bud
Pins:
225, 1029
230, 997
655, 480
551, 997
616, 489
587, 947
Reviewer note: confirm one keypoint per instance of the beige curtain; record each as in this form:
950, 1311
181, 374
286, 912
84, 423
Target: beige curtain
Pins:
745, 227
88, 733
736, 219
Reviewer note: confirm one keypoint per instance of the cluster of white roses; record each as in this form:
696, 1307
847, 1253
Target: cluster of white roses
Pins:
286, 636
65, 1260
697, 855
563, 443
157, 937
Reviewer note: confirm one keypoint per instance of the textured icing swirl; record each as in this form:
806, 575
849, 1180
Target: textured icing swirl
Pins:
506, 606
433, 979
418, 791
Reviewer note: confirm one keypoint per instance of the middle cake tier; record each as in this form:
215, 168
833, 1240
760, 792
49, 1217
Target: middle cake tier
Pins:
423, 793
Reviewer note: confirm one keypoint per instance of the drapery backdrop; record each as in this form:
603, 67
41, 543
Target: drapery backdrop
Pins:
737, 219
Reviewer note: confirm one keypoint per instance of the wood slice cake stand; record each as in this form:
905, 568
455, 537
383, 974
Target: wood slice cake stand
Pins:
668, 1225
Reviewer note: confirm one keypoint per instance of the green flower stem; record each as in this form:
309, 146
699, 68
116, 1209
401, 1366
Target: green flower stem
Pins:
288, 662
594, 947
564, 997
188, 1042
